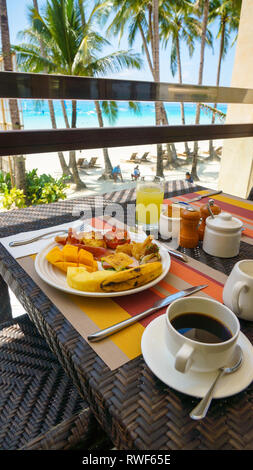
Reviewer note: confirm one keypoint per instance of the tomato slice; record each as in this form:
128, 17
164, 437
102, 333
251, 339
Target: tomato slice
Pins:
113, 238
116, 237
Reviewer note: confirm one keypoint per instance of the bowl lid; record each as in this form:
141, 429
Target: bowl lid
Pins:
224, 222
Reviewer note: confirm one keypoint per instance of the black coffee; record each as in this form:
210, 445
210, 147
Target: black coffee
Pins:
201, 327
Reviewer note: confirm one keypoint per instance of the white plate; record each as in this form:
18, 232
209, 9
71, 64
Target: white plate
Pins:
56, 278
161, 363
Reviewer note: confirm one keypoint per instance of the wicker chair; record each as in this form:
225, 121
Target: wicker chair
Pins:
39, 406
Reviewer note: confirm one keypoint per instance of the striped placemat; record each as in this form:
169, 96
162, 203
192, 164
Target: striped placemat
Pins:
88, 314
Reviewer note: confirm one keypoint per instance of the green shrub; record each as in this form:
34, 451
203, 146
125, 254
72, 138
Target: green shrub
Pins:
41, 189
44, 189
5, 182
13, 198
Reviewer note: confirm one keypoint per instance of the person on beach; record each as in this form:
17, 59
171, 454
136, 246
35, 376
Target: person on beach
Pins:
188, 177
136, 174
116, 173
85, 163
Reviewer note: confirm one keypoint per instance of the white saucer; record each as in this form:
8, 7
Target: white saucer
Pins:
161, 363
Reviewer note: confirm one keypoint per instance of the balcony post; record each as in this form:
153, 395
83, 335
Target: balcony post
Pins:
236, 172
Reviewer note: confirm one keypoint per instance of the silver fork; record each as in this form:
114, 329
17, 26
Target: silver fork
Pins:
38, 237
34, 239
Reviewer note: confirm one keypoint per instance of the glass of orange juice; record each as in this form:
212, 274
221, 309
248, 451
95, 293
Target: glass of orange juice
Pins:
149, 200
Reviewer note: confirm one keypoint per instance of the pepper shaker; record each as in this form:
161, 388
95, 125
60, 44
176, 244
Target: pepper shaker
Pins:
189, 236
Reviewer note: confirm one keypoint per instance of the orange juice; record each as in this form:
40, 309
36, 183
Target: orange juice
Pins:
149, 199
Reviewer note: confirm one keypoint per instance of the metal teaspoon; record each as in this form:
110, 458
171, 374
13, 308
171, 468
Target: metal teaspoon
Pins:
235, 362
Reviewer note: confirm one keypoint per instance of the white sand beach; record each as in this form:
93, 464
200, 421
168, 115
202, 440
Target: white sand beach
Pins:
208, 172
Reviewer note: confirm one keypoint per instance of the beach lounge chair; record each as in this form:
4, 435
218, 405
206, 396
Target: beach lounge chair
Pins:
80, 161
218, 151
92, 162
134, 157
144, 157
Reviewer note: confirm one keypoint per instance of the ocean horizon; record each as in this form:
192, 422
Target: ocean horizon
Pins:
36, 114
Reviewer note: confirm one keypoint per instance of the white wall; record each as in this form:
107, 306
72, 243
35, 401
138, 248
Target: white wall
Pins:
236, 172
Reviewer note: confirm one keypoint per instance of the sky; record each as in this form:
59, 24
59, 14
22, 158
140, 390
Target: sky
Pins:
17, 14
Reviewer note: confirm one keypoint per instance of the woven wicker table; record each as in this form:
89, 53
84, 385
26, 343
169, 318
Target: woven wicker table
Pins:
135, 408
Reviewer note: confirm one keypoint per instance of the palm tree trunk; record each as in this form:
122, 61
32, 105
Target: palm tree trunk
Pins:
144, 41
212, 153
19, 161
187, 150
72, 154
107, 161
201, 68
64, 112
171, 147
65, 169
156, 62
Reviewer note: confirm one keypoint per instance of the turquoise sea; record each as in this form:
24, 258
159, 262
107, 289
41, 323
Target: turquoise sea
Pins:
36, 114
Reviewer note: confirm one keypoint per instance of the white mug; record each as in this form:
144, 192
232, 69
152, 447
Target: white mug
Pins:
238, 289
195, 355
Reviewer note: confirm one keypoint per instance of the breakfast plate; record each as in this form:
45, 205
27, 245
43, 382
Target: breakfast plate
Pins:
56, 278
196, 384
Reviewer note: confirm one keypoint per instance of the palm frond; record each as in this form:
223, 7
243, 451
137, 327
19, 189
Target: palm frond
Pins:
29, 59
135, 107
110, 109
210, 110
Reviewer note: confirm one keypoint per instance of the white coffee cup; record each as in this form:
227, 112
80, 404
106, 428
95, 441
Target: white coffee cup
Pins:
195, 355
238, 289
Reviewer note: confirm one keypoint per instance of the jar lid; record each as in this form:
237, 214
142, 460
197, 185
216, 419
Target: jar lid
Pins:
190, 213
224, 222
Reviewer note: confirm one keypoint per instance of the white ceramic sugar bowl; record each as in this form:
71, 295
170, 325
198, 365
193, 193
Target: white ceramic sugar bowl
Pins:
222, 235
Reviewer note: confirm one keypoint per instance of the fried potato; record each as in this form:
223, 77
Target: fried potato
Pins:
125, 248
118, 261
138, 249
93, 239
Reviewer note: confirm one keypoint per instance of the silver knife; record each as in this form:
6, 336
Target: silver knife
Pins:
197, 198
177, 254
101, 334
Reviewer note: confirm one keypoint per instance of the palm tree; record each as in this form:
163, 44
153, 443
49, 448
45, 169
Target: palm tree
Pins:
179, 25
155, 47
203, 8
143, 17
65, 169
20, 180
72, 48
228, 12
